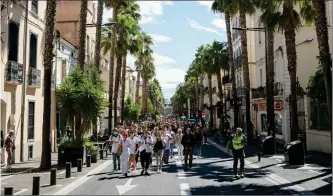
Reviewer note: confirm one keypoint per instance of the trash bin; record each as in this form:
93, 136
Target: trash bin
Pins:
267, 145
294, 153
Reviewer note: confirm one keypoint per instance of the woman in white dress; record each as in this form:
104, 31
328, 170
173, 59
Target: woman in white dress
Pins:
178, 141
125, 144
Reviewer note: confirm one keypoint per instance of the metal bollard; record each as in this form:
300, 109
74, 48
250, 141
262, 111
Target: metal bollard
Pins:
68, 169
8, 191
35, 185
259, 148
53, 176
101, 154
88, 160
106, 153
79, 165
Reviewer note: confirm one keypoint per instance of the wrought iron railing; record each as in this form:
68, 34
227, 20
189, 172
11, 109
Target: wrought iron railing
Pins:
14, 72
34, 77
259, 92
278, 89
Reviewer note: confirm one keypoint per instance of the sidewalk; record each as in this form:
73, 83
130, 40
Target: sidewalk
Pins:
310, 178
22, 181
27, 166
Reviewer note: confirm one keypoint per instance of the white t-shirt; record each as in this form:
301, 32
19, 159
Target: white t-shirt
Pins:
149, 147
134, 141
126, 144
115, 142
166, 140
142, 146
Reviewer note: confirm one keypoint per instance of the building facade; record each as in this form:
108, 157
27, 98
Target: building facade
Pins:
22, 87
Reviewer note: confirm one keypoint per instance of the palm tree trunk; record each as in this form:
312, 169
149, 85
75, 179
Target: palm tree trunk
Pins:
138, 75
98, 33
246, 75
197, 94
123, 87
144, 97
116, 88
220, 95
232, 65
324, 52
210, 101
270, 81
48, 57
290, 36
82, 37
111, 72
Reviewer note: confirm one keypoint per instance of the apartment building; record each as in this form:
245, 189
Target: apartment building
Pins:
307, 51
237, 55
22, 67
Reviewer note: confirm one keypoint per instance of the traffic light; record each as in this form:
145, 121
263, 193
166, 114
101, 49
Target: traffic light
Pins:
219, 109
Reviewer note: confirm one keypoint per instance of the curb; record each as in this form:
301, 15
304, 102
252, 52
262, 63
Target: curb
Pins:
273, 178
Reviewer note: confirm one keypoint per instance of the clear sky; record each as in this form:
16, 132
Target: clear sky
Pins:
178, 28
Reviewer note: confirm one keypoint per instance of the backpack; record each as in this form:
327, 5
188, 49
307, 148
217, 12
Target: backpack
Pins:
158, 146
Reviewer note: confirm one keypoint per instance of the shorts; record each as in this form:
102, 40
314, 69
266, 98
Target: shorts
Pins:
132, 157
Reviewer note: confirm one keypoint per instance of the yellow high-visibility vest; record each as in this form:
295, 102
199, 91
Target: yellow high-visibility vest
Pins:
237, 142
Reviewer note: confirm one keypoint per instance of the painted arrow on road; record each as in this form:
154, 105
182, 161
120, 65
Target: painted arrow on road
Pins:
124, 188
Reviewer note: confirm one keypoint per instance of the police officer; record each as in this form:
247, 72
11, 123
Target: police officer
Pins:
238, 142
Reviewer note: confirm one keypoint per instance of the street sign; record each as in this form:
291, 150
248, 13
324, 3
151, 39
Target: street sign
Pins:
203, 114
277, 106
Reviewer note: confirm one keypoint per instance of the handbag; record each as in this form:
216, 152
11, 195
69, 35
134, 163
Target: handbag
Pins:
119, 150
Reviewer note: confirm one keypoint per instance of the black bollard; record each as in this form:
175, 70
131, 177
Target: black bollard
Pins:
101, 154
88, 160
79, 165
8, 191
53, 176
259, 148
68, 169
106, 153
35, 185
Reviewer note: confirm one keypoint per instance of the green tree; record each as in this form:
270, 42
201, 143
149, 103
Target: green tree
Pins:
156, 96
81, 100
48, 58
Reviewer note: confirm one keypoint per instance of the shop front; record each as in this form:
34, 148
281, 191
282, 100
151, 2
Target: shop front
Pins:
260, 117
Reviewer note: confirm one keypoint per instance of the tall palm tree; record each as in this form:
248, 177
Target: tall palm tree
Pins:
98, 33
82, 33
48, 57
324, 50
269, 17
229, 9
148, 72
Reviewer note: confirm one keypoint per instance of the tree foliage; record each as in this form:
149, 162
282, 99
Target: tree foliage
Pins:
316, 85
81, 99
131, 110
156, 96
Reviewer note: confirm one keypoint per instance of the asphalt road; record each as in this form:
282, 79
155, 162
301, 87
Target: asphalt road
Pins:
210, 175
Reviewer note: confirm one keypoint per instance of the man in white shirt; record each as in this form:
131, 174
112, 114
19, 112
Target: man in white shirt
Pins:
115, 139
125, 153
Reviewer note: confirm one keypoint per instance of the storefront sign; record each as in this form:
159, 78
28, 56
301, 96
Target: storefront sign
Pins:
262, 106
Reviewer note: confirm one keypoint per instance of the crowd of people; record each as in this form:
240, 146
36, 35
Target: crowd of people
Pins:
158, 140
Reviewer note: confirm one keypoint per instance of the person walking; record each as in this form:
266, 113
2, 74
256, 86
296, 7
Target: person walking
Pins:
166, 138
125, 144
198, 140
158, 149
133, 150
238, 142
188, 142
9, 146
178, 142
146, 150
115, 139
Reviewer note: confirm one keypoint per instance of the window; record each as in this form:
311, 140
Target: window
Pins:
30, 151
31, 121
275, 73
34, 6
88, 45
13, 41
260, 77
278, 124
263, 118
33, 50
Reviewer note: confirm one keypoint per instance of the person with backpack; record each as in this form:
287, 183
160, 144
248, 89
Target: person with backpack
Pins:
188, 142
114, 140
158, 150
237, 143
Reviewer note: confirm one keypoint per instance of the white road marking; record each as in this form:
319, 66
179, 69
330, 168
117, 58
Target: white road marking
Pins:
69, 188
21, 191
312, 171
185, 189
126, 187
273, 177
181, 174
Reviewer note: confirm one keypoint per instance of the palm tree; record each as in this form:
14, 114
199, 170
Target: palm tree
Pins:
324, 50
143, 56
98, 33
48, 57
269, 18
226, 7
82, 33
148, 72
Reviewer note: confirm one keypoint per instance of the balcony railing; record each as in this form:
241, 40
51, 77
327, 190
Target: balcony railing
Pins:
34, 77
240, 92
14, 72
278, 89
261, 92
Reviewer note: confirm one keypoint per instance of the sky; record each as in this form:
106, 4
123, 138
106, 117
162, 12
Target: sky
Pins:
178, 28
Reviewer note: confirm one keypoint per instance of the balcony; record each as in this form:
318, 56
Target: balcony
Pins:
259, 92
34, 77
226, 79
278, 89
240, 91
14, 73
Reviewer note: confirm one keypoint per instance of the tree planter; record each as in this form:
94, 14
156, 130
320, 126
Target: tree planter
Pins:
93, 158
71, 154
